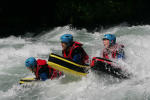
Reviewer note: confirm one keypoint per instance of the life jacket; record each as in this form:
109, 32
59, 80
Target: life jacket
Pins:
75, 45
113, 53
42, 66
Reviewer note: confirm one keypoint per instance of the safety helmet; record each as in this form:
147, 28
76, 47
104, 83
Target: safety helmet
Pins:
67, 38
30, 62
111, 38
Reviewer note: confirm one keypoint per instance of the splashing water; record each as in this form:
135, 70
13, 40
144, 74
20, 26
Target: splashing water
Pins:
14, 51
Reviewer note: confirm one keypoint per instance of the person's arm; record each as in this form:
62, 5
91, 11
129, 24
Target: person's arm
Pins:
77, 55
121, 54
43, 76
77, 58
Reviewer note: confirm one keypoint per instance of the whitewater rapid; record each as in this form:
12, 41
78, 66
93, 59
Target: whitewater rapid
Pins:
15, 50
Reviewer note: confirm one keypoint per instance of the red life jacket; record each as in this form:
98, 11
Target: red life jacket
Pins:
112, 53
52, 73
84, 55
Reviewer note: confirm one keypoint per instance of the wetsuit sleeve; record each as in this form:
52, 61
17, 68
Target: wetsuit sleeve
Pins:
77, 58
77, 55
121, 54
43, 76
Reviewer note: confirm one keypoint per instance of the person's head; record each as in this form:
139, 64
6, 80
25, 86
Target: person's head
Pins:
31, 63
109, 40
66, 40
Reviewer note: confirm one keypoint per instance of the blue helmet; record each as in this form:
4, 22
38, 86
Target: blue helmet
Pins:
30, 62
111, 38
67, 38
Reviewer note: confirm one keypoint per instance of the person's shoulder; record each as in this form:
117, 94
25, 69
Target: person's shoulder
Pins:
120, 45
78, 50
120, 48
41, 62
